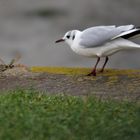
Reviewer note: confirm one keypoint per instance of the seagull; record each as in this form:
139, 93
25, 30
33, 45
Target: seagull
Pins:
101, 41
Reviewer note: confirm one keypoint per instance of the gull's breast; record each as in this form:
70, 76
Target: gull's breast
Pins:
89, 52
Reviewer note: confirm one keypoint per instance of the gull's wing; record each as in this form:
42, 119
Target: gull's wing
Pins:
99, 35
128, 34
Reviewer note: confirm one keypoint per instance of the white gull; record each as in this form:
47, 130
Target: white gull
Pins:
101, 41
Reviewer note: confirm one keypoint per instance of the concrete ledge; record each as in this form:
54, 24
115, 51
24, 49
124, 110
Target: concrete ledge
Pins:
113, 83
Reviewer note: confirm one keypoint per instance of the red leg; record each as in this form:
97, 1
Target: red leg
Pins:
106, 60
93, 73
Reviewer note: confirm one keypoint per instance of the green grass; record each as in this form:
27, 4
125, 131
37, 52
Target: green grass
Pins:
29, 115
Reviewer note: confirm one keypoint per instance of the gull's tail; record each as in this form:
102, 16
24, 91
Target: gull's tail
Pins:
128, 37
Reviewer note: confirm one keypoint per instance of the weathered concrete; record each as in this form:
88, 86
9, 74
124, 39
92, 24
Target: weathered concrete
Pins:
118, 84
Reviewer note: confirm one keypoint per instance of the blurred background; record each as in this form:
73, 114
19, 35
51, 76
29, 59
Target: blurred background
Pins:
32, 26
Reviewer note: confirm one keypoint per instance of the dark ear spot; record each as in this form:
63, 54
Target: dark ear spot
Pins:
73, 37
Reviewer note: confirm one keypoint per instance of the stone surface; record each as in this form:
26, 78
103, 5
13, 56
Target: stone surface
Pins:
118, 84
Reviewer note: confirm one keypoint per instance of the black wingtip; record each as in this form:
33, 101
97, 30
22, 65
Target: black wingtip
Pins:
127, 36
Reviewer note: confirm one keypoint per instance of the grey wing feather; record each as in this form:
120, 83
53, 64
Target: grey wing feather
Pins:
99, 35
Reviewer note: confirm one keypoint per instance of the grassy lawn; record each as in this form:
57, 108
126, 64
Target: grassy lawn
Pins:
29, 115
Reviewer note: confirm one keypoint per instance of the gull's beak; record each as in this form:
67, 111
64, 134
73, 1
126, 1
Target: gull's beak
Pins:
60, 40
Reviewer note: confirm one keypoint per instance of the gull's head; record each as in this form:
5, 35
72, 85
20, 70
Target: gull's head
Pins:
69, 37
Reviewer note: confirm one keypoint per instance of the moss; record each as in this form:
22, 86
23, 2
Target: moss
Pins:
61, 70
129, 72
75, 70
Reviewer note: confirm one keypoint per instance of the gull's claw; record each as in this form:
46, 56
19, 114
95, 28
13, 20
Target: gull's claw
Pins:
92, 74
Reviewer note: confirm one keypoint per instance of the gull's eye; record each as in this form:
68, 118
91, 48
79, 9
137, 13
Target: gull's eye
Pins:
68, 36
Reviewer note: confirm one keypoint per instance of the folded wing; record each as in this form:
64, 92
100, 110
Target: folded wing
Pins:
99, 35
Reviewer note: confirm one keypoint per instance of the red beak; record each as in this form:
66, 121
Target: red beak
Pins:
60, 40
